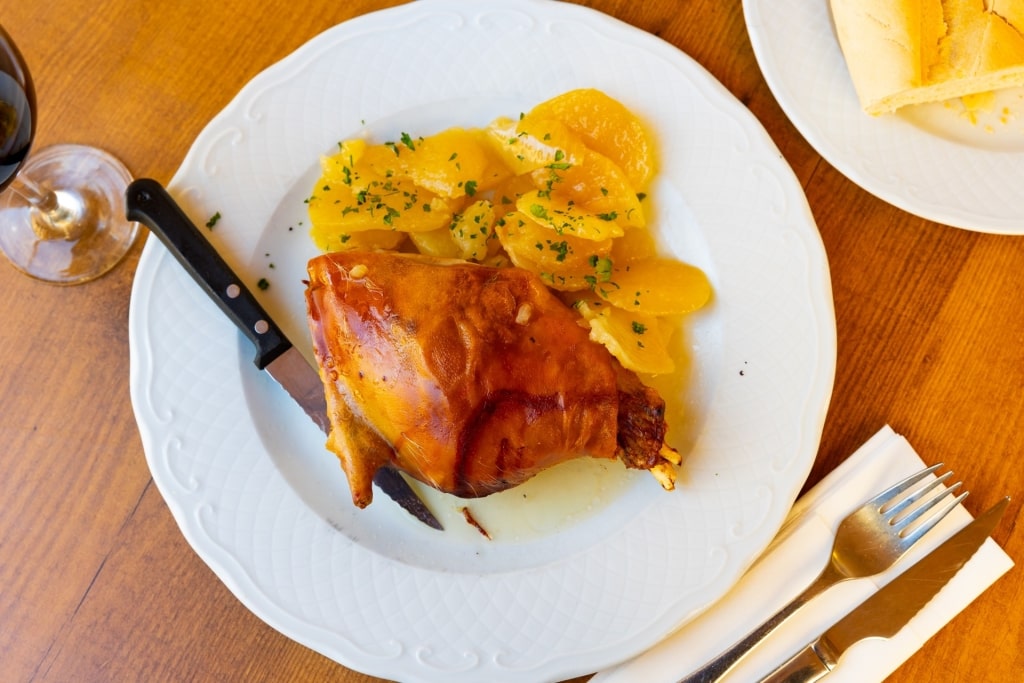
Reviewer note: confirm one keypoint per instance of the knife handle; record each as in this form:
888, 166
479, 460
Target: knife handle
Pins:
810, 664
150, 204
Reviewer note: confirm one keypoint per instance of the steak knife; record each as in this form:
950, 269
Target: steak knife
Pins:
150, 204
886, 612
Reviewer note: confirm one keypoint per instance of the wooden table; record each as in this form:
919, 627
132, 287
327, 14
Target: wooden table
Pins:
96, 581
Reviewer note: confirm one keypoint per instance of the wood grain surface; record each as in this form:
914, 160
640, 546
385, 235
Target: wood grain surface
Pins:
96, 581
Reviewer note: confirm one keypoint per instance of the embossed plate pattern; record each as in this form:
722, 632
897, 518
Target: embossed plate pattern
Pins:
595, 564
934, 161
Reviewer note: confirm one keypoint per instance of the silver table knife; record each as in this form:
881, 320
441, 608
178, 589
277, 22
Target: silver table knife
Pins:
150, 204
886, 612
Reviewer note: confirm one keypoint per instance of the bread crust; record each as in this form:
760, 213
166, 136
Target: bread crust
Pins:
905, 52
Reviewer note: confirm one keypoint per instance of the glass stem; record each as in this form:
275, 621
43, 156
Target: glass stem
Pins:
33, 194
54, 215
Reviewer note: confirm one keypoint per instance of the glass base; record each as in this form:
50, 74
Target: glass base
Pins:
86, 234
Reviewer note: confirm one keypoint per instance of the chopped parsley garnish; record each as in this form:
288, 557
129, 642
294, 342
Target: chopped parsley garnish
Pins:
602, 266
562, 249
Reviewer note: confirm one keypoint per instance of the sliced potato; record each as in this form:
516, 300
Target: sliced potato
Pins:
452, 163
567, 218
597, 185
639, 342
607, 126
565, 262
658, 286
353, 198
531, 143
437, 243
357, 241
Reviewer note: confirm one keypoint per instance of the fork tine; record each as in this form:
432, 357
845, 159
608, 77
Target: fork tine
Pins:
893, 511
909, 538
896, 489
900, 522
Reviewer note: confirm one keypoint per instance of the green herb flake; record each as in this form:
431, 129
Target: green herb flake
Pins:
562, 249
639, 328
538, 210
263, 283
214, 219
602, 266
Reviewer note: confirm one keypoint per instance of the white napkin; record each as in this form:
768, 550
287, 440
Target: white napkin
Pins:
794, 559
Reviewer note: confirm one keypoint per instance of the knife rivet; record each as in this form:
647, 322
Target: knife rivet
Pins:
261, 326
233, 291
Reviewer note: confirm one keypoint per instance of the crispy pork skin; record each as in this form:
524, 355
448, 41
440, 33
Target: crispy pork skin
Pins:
469, 378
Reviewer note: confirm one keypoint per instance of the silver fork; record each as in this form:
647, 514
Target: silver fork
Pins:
869, 541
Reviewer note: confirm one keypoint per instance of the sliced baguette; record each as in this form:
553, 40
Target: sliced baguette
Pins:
903, 52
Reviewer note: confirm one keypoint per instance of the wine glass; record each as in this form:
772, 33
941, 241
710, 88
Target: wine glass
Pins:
62, 216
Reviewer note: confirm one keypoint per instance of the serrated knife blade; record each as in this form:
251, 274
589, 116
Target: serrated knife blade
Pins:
149, 203
887, 611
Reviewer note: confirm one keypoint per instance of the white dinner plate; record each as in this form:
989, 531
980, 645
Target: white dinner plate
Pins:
589, 564
937, 161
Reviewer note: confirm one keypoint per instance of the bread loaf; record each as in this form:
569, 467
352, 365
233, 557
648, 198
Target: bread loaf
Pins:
902, 52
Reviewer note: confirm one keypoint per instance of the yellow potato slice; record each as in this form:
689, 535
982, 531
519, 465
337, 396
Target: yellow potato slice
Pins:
639, 342
564, 262
607, 126
531, 143
470, 236
472, 231
361, 200
365, 240
597, 185
452, 163
438, 243
657, 286
566, 218
634, 245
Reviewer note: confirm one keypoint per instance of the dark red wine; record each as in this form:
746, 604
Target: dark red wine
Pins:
17, 110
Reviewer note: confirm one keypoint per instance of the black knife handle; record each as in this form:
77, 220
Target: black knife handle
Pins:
150, 204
